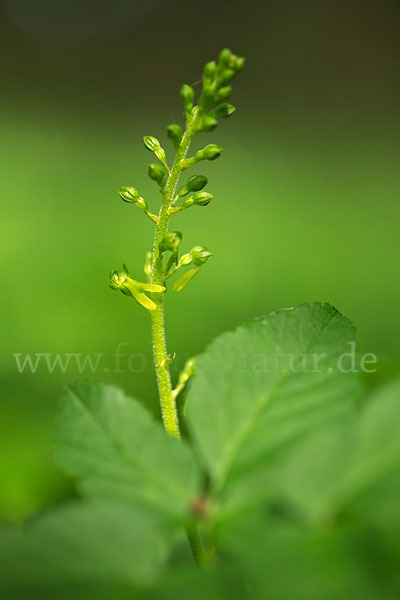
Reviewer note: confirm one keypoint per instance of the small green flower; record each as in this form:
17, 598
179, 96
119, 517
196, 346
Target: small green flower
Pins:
129, 194
239, 64
120, 280
187, 95
209, 152
202, 198
174, 132
225, 57
200, 255
228, 60
193, 184
223, 94
196, 183
170, 241
208, 123
209, 71
224, 110
153, 145
157, 173
227, 75
185, 259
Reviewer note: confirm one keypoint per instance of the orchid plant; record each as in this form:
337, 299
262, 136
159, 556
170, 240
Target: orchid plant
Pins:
284, 480
164, 260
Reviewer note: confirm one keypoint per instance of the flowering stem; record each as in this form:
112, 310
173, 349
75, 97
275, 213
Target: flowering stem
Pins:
167, 398
201, 117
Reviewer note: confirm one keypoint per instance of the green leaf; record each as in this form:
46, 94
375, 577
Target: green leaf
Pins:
113, 445
221, 581
347, 462
248, 401
84, 543
284, 561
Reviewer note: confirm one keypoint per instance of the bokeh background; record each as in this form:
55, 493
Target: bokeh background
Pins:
306, 192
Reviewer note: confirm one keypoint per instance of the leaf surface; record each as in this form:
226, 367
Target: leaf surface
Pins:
261, 387
282, 560
350, 462
111, 443
85, 543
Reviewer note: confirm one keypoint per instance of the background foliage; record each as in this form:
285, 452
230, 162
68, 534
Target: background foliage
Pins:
306, 192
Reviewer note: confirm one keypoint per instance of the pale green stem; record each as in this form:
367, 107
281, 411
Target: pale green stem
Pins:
172, 272
167, 399
196, 544
167, 396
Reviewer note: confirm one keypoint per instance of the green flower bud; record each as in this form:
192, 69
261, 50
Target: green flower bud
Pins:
187, 95
223, 111
151, 143
188, 202
174, 132
196, 183
183, 191
185, 260
223, 94
225, 57
229, 60
210, 152
208, 96
129, 194
240, 62
193, 184
210, 70
200, 255
208, 123
227, 75
202, 198
160, 153
142, 204
170, 241
132, 196
157, 173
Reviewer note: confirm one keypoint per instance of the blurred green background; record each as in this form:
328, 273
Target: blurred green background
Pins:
306, 193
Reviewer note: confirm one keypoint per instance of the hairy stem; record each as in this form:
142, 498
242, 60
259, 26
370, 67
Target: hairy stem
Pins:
196, 544
167, 399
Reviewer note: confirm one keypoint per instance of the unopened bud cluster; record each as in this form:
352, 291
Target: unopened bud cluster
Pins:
200, 199
132, 196
164, 261
216, 89
158, 173
153, 145
197, 256
170, 241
